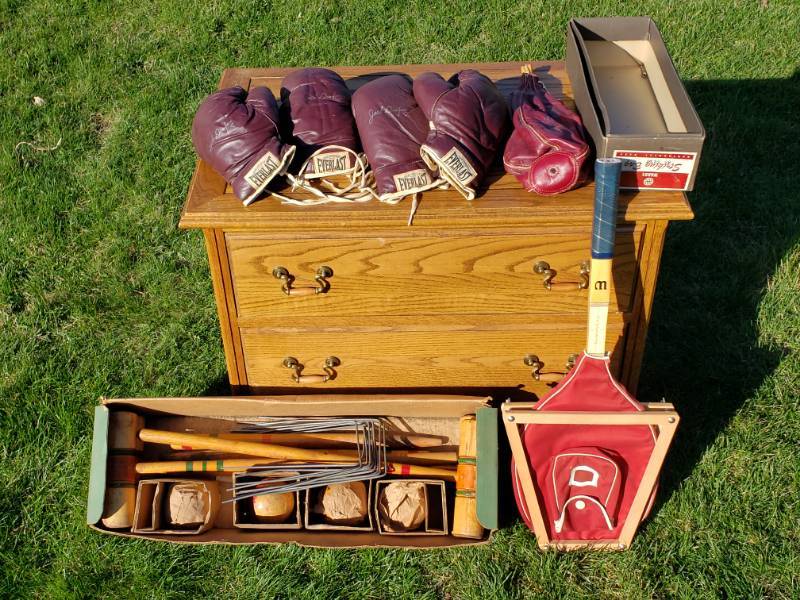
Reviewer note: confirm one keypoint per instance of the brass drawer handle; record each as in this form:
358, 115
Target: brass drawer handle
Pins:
290, 362
531, 360
288, 287
543, 268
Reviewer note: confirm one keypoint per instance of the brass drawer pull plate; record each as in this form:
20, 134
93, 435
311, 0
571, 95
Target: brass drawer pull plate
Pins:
288, 287
531, 360
290, 362
543, 268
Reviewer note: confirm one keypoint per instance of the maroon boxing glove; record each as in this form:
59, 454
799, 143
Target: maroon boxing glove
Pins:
392, 128
316, 115
547, 150
468, 119
236, 132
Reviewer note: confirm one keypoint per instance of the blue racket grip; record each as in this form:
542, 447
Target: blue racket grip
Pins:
606, 190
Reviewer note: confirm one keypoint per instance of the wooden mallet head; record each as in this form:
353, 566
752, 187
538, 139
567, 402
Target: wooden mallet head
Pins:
124, 448
465, 517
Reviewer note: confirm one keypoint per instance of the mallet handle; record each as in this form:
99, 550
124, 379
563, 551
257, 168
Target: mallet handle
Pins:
393, 468
231, 465
223, 465
206, 442
422, 456
318, 440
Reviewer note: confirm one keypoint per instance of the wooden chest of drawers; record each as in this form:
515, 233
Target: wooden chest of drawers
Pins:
479, 294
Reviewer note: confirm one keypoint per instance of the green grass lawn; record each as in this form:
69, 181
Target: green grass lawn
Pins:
100, 294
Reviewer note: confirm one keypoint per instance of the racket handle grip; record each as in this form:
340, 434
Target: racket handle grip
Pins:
606, 190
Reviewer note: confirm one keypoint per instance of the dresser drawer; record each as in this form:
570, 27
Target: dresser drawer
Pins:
455, 353
490, 275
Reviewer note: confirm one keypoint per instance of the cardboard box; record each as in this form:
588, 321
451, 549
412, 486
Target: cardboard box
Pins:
430, 414
632, 101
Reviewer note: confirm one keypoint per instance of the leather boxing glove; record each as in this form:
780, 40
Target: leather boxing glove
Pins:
547, 150
316, 116
392, 128
236, 132
468, 119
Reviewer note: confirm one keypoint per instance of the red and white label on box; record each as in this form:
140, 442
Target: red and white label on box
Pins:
642, 170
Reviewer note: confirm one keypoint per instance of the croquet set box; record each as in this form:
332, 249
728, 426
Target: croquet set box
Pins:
632, 101
227, 522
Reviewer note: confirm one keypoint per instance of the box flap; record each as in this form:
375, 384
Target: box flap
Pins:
486, 485
590, 77
399, 405
97, 474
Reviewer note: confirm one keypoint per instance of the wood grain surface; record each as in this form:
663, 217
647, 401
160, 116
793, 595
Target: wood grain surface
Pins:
415, 356
421, 275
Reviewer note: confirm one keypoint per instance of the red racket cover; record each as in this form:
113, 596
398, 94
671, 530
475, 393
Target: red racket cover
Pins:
587, 475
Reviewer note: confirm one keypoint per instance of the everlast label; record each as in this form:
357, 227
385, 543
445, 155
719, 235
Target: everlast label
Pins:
458, 166
412, 180
333, 163
263, 171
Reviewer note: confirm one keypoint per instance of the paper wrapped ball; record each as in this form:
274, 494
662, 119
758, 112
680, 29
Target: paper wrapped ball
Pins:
402, 506
188, 505
273, 508
344, 503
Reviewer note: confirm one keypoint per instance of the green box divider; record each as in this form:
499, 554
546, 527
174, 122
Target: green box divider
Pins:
97, 474
487, 450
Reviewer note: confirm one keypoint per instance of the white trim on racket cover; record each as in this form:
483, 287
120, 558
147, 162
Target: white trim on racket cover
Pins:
558, 524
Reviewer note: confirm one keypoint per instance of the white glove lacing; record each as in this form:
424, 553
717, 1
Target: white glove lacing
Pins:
358, 188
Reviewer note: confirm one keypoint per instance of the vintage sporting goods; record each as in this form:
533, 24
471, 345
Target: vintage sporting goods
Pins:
273, 508
366, 461
235, 465
290, 469
316, 116
465, 514
547, 151
582, 467
124, 449
468, 119
392, 129
250, 433
344, 503
402, 505
206, 442
188, 505
236, 132
469, 260
219, 465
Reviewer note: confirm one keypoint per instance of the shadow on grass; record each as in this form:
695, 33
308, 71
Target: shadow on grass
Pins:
220, 387
703, 351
